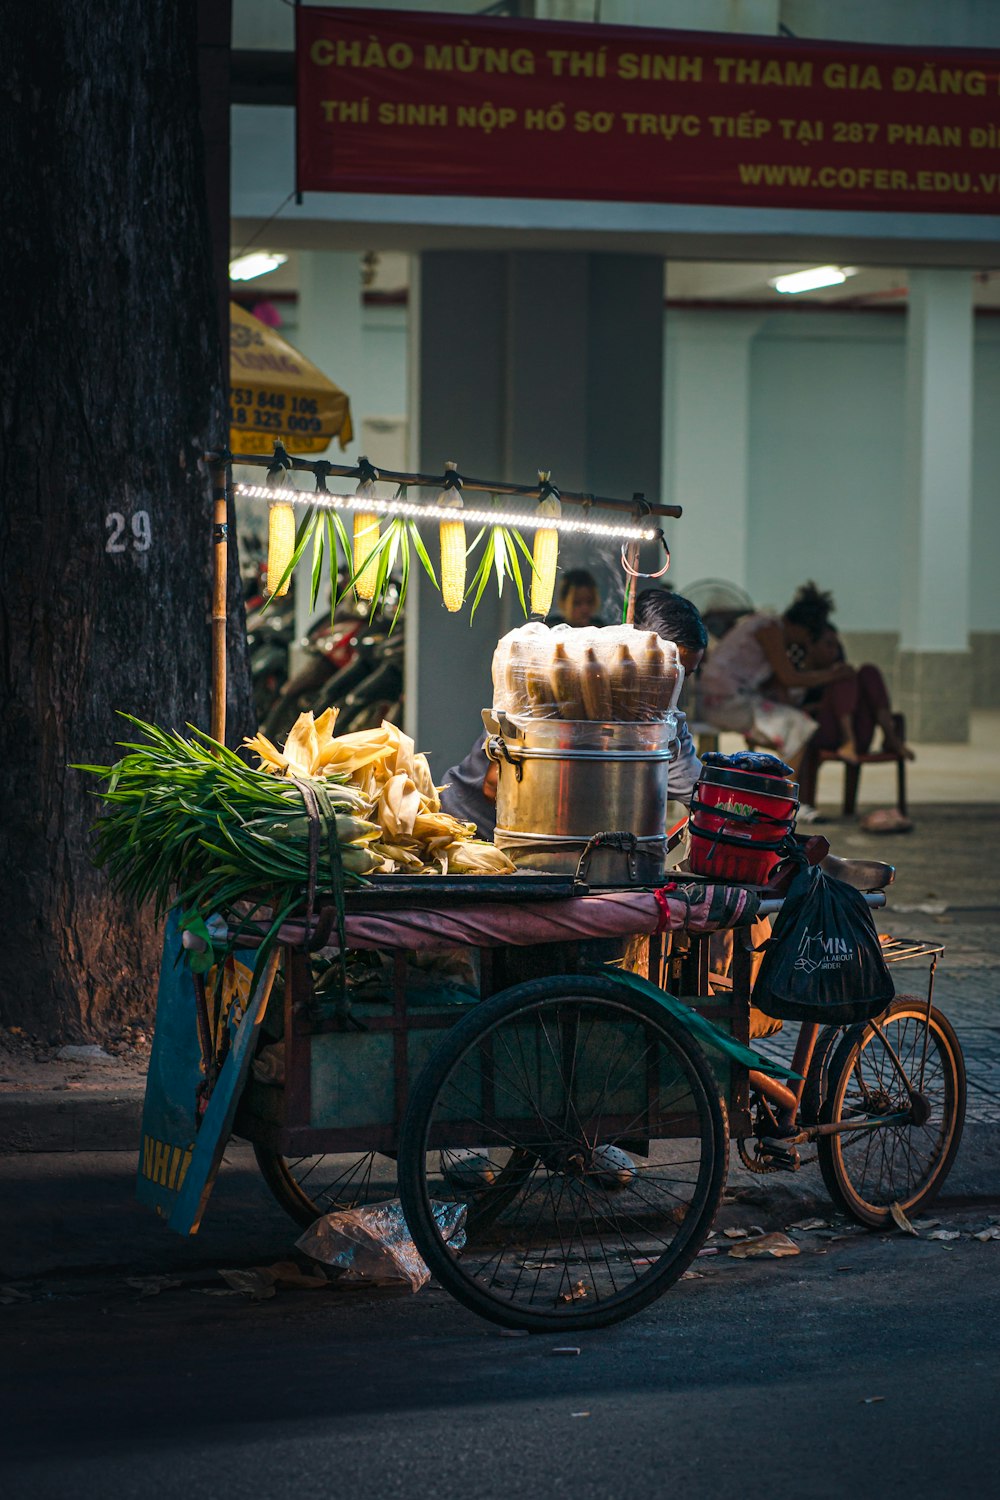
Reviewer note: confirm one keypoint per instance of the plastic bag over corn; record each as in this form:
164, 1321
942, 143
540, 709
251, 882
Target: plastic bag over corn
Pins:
615, 674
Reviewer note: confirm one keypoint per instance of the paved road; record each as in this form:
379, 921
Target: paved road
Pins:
866, 1366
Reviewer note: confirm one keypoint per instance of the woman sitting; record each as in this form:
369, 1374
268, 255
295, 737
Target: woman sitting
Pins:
749, 682
847, 712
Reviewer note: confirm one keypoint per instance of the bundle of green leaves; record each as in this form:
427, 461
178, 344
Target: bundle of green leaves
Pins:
188, 821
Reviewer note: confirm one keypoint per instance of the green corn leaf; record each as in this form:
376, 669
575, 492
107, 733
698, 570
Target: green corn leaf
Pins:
421, 551
404, 583
481, 579
317, 563
515, 568
529, 555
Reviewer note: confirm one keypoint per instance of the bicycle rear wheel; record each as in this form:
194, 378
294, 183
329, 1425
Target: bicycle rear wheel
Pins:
868, 1170
309, 1186
602, 1142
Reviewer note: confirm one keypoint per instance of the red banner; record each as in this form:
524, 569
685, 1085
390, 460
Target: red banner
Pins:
397, 102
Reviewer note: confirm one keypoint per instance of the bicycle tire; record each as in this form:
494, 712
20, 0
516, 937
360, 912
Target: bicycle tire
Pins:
555, 1303
860, 1179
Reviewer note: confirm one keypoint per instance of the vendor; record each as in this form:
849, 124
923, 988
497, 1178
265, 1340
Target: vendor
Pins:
577, 600
470, 791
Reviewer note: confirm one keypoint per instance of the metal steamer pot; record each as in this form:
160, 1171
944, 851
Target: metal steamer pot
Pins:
561, 786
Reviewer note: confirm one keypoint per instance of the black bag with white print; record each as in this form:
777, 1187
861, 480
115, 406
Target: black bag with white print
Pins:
823, 961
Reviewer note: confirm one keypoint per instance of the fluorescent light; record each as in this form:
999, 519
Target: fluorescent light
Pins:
528, 520
247, 267
813, 279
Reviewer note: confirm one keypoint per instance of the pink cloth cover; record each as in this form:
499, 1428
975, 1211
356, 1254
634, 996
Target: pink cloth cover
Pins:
611, 914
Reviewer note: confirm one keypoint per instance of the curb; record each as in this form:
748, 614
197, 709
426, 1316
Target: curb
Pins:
58, 1120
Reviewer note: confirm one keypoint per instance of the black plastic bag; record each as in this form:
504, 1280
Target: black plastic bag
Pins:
823, 961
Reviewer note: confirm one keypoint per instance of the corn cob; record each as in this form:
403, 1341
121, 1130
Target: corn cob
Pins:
515, 680
624, 685
366, 535
452, 535
545, 556
596, 688
280, 546
536, 681
565, 683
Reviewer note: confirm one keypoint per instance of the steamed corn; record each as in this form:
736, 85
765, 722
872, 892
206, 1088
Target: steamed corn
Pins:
453, 552
366, 537
545, 556
280, 546
452, 534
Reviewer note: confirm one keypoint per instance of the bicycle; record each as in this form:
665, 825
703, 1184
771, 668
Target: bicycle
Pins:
603, 1131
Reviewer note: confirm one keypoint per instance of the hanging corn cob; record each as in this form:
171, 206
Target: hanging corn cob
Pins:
545, 555
366, 535
280, 546
453, 553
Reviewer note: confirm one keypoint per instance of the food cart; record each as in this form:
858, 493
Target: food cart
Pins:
545, 1074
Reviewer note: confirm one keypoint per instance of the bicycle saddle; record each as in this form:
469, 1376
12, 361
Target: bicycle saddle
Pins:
863, 874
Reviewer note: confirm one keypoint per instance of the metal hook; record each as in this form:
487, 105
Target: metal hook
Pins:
634, 572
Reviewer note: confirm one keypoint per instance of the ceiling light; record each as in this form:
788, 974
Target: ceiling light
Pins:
813, 279
247, 267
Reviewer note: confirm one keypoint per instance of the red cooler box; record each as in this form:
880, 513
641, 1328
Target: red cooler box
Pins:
739, 820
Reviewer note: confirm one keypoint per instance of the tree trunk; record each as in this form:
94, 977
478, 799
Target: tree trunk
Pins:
111, 390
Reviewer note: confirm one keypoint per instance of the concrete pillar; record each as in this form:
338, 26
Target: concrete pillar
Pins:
935, 668
329, 333
705, 441
527, 360
456, 410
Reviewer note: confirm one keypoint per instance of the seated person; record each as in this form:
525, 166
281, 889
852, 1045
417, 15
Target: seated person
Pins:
470, 791
577, 600
847, 712
749, 681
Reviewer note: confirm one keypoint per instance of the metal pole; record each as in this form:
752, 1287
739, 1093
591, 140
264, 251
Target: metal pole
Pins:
632, 562
220, 559
436, 482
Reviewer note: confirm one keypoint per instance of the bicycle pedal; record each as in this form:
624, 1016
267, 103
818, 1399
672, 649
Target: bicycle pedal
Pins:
786, 1157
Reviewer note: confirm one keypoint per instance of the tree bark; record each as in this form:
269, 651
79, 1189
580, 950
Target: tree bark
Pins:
111, 390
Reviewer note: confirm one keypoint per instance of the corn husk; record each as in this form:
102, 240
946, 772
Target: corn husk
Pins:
400, 801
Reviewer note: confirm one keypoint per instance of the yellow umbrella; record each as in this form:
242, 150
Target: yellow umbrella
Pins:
276, 393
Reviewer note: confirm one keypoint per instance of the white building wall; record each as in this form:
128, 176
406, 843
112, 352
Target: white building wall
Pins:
984, 613
825, 461
825, 453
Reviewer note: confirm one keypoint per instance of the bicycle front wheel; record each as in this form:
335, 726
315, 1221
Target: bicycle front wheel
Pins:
906, 1160
583, 1132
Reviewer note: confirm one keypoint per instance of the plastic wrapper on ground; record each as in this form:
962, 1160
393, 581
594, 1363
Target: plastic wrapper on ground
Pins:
372, 1246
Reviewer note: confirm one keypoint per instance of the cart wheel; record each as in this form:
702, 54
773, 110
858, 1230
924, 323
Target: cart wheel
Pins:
309, 1186
867, 1171
604, 1145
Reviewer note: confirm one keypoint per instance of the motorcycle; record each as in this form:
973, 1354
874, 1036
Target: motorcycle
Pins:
269, 638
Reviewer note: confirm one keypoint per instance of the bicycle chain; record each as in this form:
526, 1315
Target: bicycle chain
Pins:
757, 1163
761, 1165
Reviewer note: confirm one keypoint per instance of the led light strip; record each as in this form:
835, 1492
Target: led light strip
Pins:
373, 505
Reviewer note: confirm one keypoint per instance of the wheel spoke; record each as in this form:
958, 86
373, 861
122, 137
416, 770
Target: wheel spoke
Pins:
571, 1076
869, 1170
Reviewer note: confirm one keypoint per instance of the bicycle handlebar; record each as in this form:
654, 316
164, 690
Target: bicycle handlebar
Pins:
768, 907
